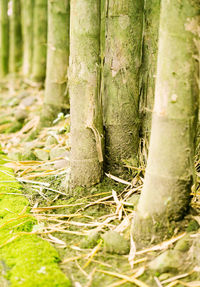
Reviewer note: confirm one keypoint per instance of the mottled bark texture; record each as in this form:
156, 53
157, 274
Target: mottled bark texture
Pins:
4, 37
148, 71
123, 53
165, 196
15, 47
102, 43
56, 95
103, 36
39, 40
27, 34
84, 90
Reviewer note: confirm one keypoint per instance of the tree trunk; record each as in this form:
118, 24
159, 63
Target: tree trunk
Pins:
56, 96
150, 52
15, 53
169, 175
123, 51
103, 35
39, 40
4, 37
84, 89
102, 43
27, 32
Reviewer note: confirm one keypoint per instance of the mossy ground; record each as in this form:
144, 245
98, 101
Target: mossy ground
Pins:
28, 259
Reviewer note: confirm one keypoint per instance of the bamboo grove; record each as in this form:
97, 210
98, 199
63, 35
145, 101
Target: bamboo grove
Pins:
118, 65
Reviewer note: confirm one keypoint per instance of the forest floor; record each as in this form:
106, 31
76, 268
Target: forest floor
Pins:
49, 231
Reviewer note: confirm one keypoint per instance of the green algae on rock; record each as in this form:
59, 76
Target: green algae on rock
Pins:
30, 261
114, 243
168, 261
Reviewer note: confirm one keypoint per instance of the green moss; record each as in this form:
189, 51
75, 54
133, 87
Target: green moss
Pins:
33, 135
14, 128
5, 121
29, 261
192, 226
183, 244
91, 240
37, 266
